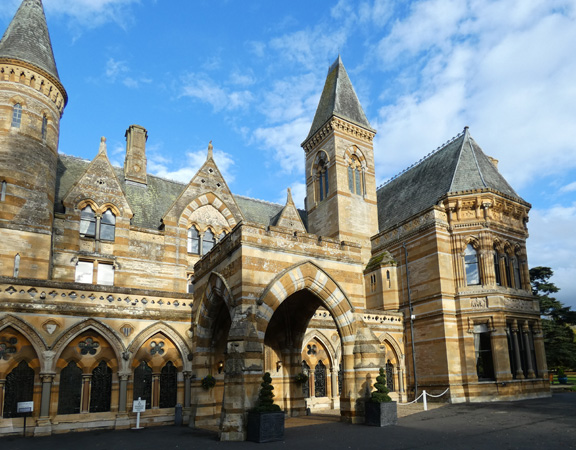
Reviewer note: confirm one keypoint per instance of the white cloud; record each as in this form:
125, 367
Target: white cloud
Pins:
552, 244
164, 167
569, 187
92, 13
201, 87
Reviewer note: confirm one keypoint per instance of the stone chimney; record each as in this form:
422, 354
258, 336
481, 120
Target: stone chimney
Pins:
135, 162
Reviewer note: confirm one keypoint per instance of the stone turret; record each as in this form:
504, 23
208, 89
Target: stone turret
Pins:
32, 100
340, 180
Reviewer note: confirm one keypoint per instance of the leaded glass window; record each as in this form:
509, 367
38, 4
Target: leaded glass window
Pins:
168, 385
17, 115
19, 387
143, 383
390, 375
207, 241
355, 178
87, 222
70, 390
497, 268
101, 388
193, 241
471, 265
320, 380
306, 386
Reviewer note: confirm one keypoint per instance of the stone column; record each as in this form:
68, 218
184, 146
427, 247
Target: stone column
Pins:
515, 332
526, 332
187, 388
155, 391
122, 392
334, 384
401, 388
541, 365
47, 380
85, 403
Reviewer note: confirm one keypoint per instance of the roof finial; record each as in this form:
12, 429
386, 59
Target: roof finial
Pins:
102, 150
210, 148
289, 199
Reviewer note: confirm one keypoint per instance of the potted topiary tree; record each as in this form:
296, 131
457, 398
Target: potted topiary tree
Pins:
380, 410
266, 419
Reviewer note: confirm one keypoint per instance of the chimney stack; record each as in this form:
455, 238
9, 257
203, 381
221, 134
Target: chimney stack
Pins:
135, 162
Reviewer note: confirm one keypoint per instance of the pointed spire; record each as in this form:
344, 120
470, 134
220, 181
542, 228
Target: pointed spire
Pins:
103, 149
27, 38
289, 200
338, 99
210, 151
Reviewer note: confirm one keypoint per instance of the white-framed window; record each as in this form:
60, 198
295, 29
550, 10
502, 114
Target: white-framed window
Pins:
17, 115
86, 270
97, 227
471, 265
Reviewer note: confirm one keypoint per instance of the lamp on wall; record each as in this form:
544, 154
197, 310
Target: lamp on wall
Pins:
220, 366
278, 366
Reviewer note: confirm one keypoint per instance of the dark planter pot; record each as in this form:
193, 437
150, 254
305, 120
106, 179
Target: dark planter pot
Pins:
265, 426
380, 414
563, 380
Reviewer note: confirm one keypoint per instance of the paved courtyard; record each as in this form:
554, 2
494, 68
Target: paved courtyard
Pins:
530, 424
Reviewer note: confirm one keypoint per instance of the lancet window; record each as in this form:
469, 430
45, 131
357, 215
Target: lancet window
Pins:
97, 227
19, 387
17, 115
70, 391
143, 383
168, 385
471, 265
320, 380
355, 176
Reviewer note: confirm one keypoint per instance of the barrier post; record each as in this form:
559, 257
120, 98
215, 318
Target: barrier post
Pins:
425, 401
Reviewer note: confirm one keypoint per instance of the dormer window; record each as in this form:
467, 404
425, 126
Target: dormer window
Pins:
88, 223
107, 226
97, 227
208, 241
193, 241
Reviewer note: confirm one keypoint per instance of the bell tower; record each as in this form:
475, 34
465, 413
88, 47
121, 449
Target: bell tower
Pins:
340, 180
32, 100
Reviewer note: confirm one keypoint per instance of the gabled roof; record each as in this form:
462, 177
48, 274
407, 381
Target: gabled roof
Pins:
338, 99
27, 38
460, 165
149, 203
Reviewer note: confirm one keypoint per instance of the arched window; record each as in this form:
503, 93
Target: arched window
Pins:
497, 268
193, 241
16, 265
471, 265
88, 222
168, 385
107, 226
355, 176
222, 235
390, 375
517, 273
321, 175
320, 380
44, 126
143, 383
306, 386
19, 387
208, 241
508, 270
101, 388
70, 392
17, 115
3, 191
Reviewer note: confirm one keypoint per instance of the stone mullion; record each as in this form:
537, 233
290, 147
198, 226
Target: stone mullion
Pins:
85, 402
47, 380
503, 272
526, 333
187, 388
333, 384
123, 392
155, 391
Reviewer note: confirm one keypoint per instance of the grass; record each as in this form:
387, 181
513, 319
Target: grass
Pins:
571, 379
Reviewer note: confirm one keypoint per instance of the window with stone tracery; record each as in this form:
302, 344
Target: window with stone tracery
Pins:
322, 176
208, 241
97, 227
193, 240
355, 176
471, 265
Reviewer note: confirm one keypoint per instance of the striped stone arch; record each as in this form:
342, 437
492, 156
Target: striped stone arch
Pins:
38, 343
388, 339
205, 314
105, 331
353, 150
170, 333
308, 276
204, 200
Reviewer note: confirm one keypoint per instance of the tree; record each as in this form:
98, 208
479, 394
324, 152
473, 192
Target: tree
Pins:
556, 320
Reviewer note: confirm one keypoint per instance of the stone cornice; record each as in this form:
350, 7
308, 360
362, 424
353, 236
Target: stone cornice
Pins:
50, 81
338, 124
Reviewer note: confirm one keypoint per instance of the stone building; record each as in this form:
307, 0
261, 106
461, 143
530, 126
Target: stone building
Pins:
117, 285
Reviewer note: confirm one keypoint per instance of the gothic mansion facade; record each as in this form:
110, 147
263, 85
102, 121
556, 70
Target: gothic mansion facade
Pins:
117, 285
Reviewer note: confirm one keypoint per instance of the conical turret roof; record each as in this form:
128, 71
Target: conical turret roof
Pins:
27, 38
338, 99
458, 166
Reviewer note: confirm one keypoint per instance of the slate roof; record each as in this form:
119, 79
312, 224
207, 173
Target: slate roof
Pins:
27, 38
150, 203
338, 99
460, 165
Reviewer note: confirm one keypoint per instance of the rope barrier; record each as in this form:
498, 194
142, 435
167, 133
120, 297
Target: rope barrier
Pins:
424, 401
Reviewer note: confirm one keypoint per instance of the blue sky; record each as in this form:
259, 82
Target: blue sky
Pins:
248, 75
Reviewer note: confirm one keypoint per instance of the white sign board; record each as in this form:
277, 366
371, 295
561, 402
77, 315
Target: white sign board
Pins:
139, 406
25, 407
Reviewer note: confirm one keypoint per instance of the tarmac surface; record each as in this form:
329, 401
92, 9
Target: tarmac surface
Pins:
548, 423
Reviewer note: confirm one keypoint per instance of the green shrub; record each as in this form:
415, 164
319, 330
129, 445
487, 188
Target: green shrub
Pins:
265, 401
380, 395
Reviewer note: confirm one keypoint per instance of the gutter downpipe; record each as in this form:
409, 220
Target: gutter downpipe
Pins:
411, 320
